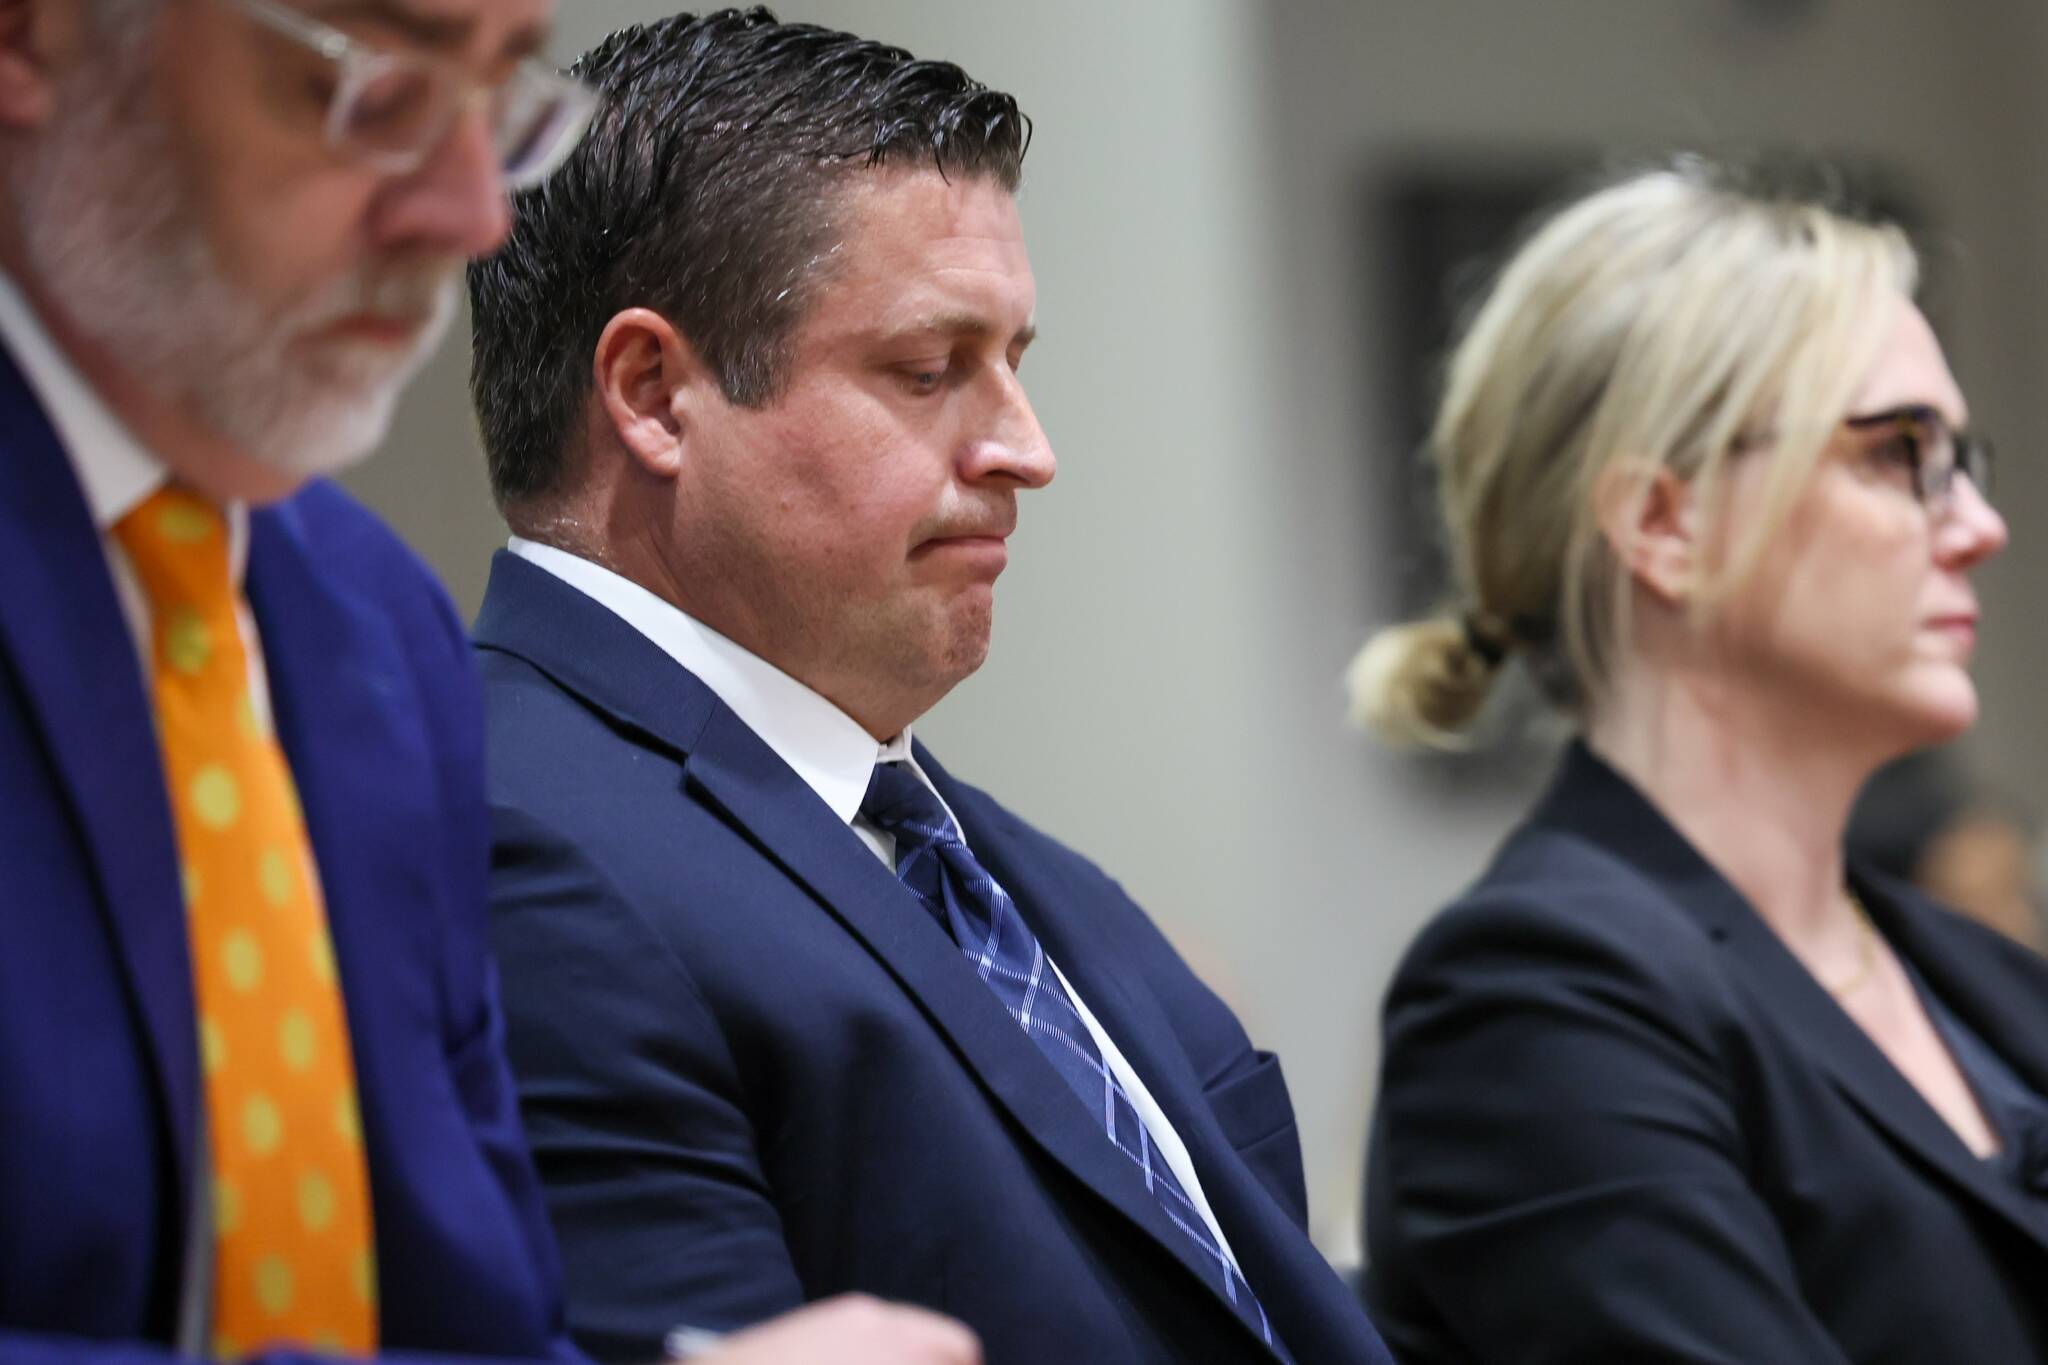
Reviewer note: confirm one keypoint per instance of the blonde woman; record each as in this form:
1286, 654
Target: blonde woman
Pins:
1670, 1082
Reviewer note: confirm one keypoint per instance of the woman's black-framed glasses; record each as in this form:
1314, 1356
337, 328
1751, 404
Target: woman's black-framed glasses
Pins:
392, 109
1919, 440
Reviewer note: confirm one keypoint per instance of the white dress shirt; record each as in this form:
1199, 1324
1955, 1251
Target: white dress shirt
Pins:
835, 757
117, 475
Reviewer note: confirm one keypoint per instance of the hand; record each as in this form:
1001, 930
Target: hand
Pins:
854, 1330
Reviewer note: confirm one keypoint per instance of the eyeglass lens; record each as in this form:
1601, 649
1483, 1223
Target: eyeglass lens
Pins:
536, 122
397, 108
1935, 452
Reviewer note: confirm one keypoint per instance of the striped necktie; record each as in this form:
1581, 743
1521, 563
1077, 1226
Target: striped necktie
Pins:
933, 860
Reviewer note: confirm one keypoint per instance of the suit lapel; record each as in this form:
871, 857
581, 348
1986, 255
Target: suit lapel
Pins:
1862, 1072
735, 771
61, 624
1282, 1267
1597, 803
2000, 989
347, 715
592, 653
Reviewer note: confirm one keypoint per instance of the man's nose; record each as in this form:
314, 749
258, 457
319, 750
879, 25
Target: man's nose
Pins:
1013, 446
456, 202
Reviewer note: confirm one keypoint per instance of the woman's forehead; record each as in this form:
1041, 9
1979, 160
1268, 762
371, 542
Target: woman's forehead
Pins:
1910, 370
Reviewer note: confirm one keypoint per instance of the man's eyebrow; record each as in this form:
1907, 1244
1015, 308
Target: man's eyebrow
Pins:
437, 33
964, 324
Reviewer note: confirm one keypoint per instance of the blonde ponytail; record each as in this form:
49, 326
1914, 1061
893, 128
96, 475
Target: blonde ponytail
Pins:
1424, 684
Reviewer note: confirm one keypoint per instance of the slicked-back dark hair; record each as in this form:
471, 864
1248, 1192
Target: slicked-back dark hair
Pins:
706, 191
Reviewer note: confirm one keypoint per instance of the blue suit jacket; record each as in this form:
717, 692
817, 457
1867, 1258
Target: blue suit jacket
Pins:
1619, 1121
100, 1090
755, 1070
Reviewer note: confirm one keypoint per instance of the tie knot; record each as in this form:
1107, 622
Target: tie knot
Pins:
900, 802
178, 545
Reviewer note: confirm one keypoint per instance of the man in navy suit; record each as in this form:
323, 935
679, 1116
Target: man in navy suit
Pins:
747, 372
230, 231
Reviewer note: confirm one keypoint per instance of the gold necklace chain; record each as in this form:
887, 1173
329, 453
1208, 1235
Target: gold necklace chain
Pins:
1866, 948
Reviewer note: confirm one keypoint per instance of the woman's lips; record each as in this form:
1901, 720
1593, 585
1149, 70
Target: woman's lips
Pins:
1961, 628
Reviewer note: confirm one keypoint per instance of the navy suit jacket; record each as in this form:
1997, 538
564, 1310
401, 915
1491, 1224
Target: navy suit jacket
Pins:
1619, 1121
100, 1089
755, 1070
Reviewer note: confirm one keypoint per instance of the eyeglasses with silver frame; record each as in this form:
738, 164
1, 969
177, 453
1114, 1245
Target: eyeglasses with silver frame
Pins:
392, 109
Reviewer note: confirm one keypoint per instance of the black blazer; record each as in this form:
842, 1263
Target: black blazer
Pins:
1618, 1121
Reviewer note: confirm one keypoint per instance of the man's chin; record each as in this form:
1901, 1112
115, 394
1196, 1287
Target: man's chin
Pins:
349, 393
966, 647
310, 441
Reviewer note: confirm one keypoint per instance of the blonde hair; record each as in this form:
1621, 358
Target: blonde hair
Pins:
1664, 321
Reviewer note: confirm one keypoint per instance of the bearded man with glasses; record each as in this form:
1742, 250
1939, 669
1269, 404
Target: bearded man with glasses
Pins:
251, 1093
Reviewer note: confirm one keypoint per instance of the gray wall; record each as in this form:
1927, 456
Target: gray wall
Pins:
1163, 691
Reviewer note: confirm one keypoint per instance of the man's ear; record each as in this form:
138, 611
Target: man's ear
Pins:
37, 37
650, 387
1652, 524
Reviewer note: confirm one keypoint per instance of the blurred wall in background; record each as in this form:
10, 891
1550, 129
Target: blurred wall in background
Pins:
1163, 692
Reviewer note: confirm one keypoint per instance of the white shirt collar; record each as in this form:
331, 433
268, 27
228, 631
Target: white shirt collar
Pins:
113, 468
823, 745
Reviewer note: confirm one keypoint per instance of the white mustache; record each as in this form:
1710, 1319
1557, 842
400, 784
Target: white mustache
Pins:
416, 293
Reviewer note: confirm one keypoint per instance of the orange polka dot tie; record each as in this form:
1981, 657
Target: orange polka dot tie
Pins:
291, 1207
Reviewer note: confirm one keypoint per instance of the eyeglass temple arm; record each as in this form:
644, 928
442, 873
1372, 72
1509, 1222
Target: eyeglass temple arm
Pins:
331, 43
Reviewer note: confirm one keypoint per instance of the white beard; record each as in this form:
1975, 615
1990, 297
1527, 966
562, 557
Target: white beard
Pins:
109, 227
